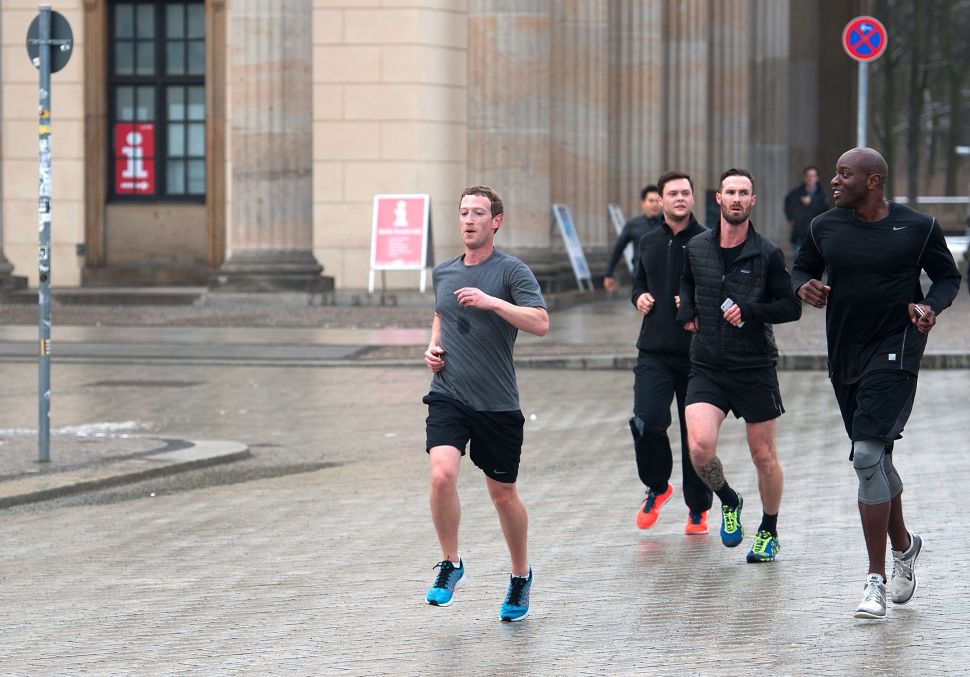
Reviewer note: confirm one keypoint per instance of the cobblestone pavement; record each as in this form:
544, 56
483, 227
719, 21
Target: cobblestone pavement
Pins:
324, 572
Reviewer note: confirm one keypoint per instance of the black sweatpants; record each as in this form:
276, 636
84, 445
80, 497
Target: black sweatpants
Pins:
657, 379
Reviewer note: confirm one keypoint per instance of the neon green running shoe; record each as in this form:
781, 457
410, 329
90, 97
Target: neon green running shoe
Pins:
731, 532
766, 547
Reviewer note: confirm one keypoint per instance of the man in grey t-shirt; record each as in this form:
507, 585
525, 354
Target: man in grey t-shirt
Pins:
482, 299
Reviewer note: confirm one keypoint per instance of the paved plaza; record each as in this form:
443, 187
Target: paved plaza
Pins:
322, 569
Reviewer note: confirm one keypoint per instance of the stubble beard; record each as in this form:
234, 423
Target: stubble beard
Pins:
736, 220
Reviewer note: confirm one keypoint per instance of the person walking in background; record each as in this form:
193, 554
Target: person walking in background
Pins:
482, 299
873, 252
803, 203
734, 287
632, 231
663, 359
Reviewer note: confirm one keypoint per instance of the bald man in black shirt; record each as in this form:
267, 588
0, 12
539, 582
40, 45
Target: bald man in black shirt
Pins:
877, 320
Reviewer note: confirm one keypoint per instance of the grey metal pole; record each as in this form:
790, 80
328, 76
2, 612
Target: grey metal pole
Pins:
44, 216
863, 102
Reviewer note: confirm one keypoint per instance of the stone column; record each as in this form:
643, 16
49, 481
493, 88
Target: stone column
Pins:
770, 121
687, 116
270, 229
803, 71
635, 100
580, 72
509, 116
731, 93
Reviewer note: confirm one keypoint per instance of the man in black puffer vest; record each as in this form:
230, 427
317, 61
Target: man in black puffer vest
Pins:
733, 288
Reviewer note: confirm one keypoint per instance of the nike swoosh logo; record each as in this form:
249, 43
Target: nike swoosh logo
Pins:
870, 476
900, 227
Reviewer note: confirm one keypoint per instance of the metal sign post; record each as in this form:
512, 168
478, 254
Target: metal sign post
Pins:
48, 31
864, 39
965, 150
862, 104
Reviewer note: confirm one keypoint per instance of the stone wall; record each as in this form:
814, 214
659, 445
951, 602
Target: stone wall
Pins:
389, 116
19, 91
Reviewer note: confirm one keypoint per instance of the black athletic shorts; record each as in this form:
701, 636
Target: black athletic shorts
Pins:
878, 405
752, 394
496, 436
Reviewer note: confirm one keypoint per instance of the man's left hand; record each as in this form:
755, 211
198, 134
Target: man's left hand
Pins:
733, 315
924, 323
472, 297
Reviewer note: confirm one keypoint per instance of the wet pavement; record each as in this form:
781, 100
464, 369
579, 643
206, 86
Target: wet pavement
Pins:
312, 555
596, 334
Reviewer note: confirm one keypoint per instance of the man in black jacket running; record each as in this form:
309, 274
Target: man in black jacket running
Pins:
663, 362
734, 286
876, 325
632, 231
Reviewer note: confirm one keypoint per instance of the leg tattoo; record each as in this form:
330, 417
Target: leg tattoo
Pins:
712, 473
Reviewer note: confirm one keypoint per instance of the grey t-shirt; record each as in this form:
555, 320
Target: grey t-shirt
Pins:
478, 343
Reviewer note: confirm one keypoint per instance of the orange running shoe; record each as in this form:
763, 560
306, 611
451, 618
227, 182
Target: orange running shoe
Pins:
696, 522
650, 508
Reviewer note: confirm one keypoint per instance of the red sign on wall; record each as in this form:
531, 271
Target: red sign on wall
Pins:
134, 158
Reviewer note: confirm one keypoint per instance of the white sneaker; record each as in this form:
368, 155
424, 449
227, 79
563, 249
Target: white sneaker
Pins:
873, 603
903, 583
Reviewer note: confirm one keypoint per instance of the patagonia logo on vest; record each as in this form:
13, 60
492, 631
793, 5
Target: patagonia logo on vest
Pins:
746, 271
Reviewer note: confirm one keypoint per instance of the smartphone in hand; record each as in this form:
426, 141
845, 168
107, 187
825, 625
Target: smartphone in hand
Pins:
728, 302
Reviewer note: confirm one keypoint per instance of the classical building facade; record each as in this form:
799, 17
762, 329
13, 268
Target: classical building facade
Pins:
239, 143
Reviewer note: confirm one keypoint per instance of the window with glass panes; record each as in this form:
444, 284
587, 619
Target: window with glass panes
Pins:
156, 99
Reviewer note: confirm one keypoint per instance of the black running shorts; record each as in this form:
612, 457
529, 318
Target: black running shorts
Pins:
878, 405
495, 436
752, 394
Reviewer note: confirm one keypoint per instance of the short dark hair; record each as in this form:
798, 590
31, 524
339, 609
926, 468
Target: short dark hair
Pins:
647, 190
667, 177
808, 168
734, 171
486, 192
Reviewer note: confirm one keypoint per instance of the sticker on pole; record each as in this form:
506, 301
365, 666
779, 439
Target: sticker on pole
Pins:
864, 39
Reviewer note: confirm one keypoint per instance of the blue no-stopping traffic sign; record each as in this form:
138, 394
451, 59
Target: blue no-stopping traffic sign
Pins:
864, 39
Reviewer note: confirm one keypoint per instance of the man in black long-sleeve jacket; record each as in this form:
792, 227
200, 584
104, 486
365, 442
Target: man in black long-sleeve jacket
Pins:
876, 324
632, 231
734, 286
803, 203
663, 362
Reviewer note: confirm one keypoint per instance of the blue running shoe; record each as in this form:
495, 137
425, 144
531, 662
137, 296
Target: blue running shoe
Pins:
766, 547
731, 532
449, 579
516, 605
